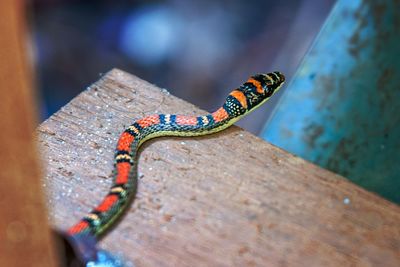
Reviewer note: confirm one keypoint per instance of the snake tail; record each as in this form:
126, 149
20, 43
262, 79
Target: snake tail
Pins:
240, 102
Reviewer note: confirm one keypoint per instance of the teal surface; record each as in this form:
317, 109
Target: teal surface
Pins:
342, 108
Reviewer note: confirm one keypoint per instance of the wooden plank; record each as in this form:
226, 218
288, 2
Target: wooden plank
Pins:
24, 231
228, 199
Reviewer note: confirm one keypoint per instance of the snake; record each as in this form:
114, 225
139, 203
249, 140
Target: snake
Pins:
239, 103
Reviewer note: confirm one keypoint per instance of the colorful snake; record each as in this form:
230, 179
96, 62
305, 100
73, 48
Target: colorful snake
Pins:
240, 102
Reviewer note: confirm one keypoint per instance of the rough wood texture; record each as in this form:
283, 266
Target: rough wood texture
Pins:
24, 232
229, 199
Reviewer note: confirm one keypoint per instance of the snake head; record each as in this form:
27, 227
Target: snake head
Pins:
270, 82
253, 93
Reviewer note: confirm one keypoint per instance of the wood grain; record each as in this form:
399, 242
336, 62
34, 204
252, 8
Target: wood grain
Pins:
228, 199
24, 231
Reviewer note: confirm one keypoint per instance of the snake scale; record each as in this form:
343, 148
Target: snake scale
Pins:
240, 102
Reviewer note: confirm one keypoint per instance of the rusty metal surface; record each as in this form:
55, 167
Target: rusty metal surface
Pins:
342, 109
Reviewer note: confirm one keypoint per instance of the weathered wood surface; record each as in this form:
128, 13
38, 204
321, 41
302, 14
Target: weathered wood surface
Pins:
24, 232
229, 199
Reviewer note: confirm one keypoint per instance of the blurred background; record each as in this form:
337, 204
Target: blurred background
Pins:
198, 50
339, 108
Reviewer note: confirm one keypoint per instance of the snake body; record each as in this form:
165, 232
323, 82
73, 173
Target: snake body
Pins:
241, 101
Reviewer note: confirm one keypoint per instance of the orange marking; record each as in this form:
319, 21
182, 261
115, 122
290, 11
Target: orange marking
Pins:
107, 203
122, 172
125, 141
240, 97
148, 121
220, 115
79, 227
257, 84
186, 120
